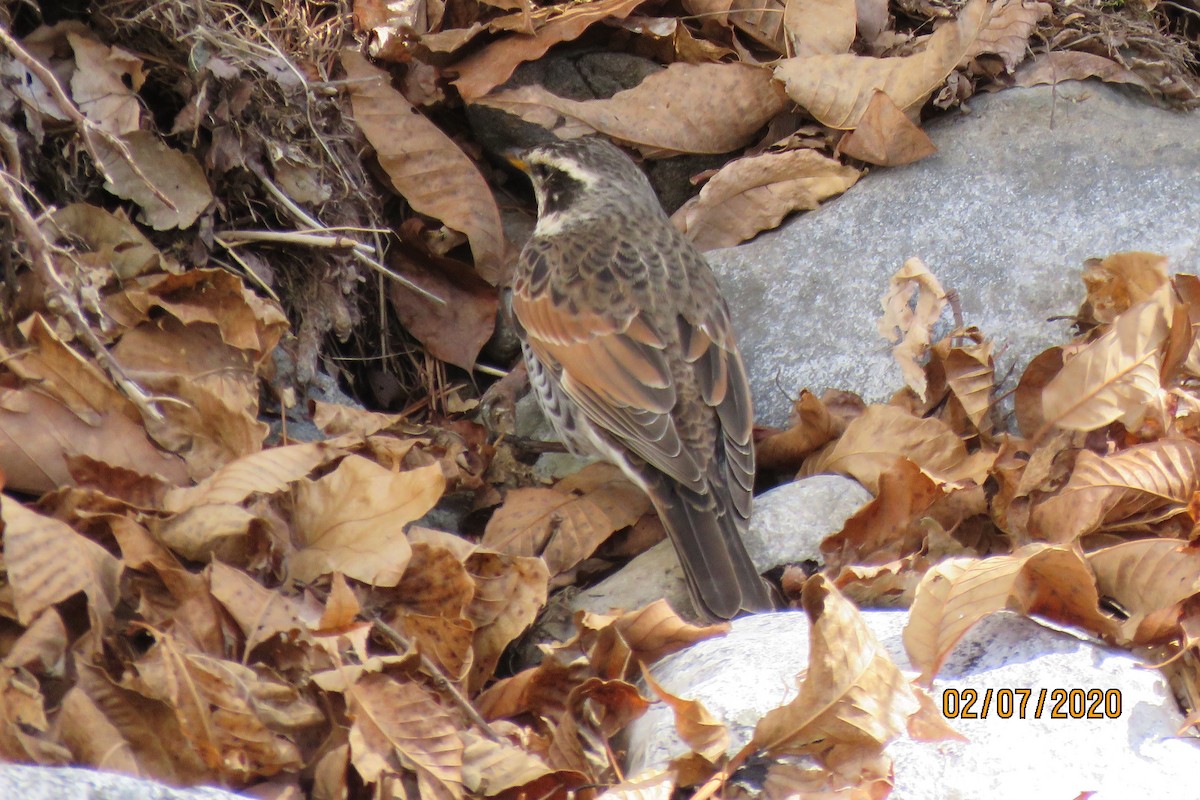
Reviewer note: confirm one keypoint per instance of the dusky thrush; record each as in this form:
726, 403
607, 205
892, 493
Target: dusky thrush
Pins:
631, 354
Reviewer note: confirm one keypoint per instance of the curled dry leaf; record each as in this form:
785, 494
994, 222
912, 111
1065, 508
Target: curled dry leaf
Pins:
853, 696
424, 165
398, 726
177, 176
836, 89
1149, 579
696, 726
910, 323
352, 520
874, 442
820, 27
889, 526
105, 84
754, 194
1122, 280
1027, 400
657, 631
115, 239
509, 593
1129, 490
1008, 30
491, 66
265, 472
491, 768
47, 562
886, 136
1116, 377
685, 108
812, 427
963, 377
761, 19
1051, 581
1074, 65
261, 613
69, 409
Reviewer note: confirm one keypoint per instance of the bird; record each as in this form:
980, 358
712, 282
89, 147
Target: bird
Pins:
630, 351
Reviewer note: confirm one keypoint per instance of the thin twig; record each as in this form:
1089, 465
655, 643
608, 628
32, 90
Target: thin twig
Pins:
43, 265
87, 128
439, 678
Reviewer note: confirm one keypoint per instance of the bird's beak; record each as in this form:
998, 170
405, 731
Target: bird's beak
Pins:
515, 157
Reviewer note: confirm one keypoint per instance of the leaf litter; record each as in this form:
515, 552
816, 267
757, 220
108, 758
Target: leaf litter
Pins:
234, 235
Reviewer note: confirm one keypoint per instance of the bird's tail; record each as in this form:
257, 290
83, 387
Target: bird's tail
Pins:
706, 532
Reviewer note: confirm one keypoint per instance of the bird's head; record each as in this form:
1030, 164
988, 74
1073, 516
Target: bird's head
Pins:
581, 179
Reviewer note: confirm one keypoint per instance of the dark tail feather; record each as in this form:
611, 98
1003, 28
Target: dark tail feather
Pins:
706, 533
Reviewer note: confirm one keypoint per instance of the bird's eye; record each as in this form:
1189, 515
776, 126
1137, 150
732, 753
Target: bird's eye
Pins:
538, 170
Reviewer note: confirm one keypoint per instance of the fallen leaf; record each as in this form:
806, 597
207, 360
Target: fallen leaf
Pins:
1073, 65
509, 593
908, 322
812, 427
1008, 30
47, 562
424, 165
177, 176
115, 239
685, 108
761, 19
753, 194
836, 89
1130, 490
456, 329
1122, 280
491, 66
352, 520
1149, 579
696, 726
105, 84
398, 725
1116, 377
886, 136
820, 27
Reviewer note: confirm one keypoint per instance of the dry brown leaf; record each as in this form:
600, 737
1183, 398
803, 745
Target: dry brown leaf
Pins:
1122, 280
400, 726
1149, 579
116, 240
1116, 377
761, 19
42, 647
812, 427
820, 27
955, 594
696, 726
178, 176
753, 194
491, 66
266, 472
352, 520
908, 322
493, 767
335, 419
836, 89
657, 631
509, 593
261, 613
622, 502
203, 533
1027, 400
874, 442
239, 722
886, 136
425, 166
92, 739
563, 529
685, 108
105, 84
888, 527
1129, 490
24, 729
1073, 65
456, 329
971, 376
853, 696
47, 562
1008, 31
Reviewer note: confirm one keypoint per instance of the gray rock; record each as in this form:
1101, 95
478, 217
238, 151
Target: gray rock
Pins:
1021, 192
1137, 754
789, 522
69, 783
